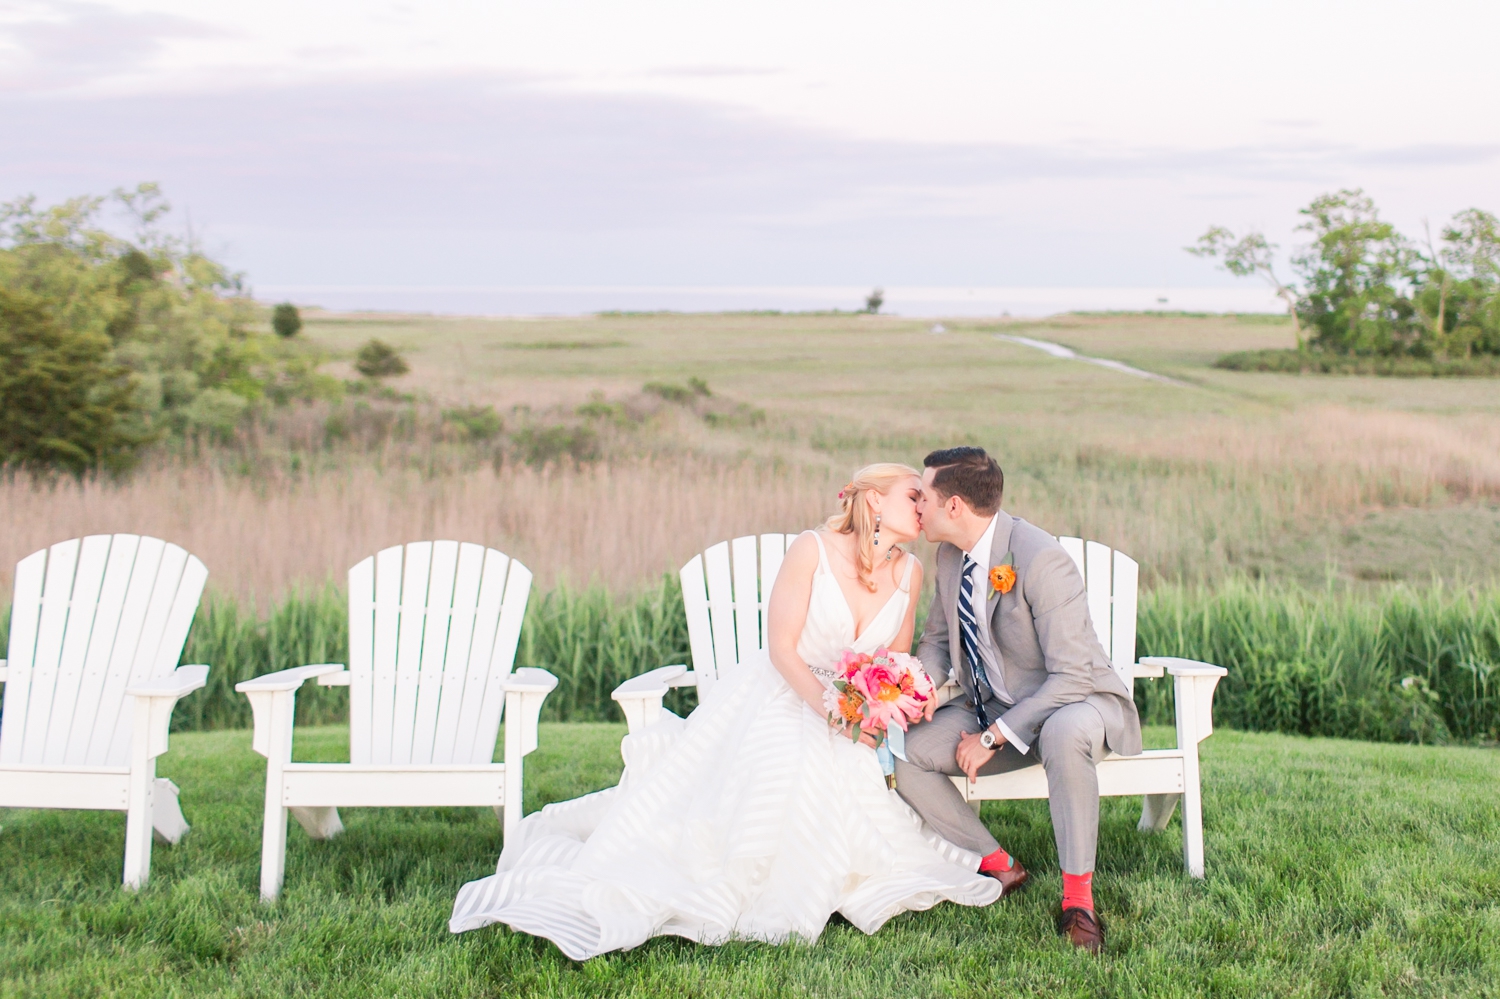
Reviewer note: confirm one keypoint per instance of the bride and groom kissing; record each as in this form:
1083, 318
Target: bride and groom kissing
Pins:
756, 818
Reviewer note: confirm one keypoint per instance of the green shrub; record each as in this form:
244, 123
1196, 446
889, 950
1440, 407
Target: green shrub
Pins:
64, 403
479, 423
680, 394
1290, 361
542, 445
286, 320
378, 359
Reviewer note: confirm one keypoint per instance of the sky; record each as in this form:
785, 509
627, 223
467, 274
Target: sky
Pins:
579, 143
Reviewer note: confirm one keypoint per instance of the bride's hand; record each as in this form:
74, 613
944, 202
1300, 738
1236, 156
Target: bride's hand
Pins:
865, 738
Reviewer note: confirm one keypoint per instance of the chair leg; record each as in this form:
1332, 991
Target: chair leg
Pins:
1156, 811
320, 823
273, 847
138, 823
167, 824
1192, 829
1192, 809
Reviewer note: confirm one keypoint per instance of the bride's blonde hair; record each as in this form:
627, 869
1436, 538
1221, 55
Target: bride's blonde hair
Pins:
854, 516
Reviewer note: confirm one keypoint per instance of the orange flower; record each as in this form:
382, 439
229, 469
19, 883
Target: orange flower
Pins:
1002, 578
849, 705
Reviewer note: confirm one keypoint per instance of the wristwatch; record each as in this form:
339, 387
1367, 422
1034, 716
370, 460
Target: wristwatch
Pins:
987, 738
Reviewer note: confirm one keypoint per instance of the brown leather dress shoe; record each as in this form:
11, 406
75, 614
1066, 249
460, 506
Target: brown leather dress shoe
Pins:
1012, 880
1082, 928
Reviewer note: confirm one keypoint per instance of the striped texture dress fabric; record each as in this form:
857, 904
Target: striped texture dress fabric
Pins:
749, 820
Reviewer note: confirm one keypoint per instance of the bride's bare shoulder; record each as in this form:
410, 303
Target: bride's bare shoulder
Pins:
803, 551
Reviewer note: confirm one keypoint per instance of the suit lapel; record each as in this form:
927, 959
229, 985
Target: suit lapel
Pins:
999, 548
953, 572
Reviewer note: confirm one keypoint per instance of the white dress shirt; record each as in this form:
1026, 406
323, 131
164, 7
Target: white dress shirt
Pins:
983, 592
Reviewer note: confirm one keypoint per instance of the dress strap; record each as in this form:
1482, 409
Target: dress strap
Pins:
822, 552
911, 560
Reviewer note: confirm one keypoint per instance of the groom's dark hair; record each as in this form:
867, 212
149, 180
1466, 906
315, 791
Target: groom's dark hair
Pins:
970, 474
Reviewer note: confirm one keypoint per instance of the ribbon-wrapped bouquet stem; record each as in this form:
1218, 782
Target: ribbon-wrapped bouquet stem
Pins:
879, 695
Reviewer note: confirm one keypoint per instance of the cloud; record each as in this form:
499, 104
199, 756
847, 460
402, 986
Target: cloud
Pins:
489, 179
62, 43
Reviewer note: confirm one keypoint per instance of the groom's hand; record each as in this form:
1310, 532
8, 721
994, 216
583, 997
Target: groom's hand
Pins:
972, 755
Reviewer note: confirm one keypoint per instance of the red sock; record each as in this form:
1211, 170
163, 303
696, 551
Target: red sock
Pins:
997, 861
1078, 891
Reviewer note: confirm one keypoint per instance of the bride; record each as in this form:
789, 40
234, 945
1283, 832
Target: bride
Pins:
752, 818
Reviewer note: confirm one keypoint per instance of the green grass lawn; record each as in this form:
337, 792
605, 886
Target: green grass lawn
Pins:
1334, 869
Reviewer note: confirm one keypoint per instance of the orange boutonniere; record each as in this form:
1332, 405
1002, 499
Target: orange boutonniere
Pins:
1003, 576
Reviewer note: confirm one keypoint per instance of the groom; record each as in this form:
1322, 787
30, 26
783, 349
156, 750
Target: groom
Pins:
1010, 622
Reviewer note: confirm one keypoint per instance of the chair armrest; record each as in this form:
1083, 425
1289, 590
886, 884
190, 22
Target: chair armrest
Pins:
654, 683
179, 683
273, 699
287, 679
340, 679
640, 697
1193, 685
530, 680
525, 690
154, 701
1147, 671
1183, 667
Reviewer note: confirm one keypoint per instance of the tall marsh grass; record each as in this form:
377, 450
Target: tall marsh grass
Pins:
1400, 664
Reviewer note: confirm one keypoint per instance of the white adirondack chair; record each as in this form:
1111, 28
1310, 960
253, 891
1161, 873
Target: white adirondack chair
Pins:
433, 628
97, 625
728, 621
1162, 776
726, 615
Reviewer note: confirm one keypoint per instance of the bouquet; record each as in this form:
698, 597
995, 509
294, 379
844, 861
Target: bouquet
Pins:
879, 695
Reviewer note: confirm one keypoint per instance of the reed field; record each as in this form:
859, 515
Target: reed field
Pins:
1325, 538
597, 478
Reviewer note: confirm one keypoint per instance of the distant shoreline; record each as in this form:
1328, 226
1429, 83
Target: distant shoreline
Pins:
906, 301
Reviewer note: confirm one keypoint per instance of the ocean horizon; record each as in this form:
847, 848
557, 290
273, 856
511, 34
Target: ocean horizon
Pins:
902, 300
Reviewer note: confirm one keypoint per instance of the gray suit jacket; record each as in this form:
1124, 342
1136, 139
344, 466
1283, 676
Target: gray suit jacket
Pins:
1043, 636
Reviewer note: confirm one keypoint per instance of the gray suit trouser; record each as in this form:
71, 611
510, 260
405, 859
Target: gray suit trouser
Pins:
1069, 747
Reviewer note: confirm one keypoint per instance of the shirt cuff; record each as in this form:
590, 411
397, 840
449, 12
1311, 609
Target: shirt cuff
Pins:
1010, 737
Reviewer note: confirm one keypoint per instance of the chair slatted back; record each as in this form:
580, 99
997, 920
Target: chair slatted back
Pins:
724, 591
90, 617
433, 627
1111, 580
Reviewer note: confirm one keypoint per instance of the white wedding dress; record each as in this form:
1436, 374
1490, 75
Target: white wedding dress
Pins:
749, 819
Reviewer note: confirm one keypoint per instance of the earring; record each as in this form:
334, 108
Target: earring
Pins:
877, 530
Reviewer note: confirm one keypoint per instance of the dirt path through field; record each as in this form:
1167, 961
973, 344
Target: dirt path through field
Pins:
1068, 353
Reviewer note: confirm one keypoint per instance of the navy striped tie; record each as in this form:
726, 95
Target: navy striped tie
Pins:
968, 626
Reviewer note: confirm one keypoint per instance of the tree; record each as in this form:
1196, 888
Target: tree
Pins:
1247, 256
286, 320
1456, 297
874, 300
378, 359
1367, 291
64, 403
1351, 273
